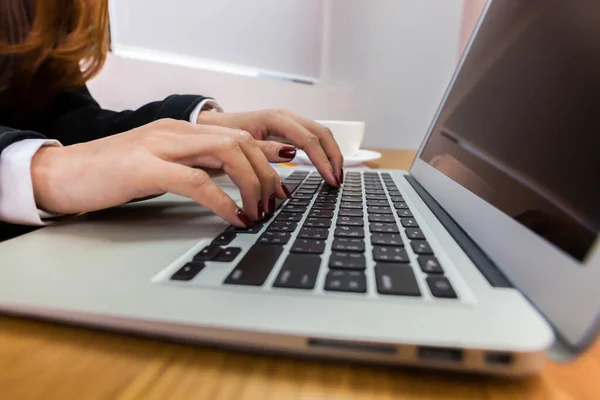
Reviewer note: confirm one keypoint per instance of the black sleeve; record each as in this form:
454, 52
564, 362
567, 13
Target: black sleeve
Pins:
74, 116
9, 136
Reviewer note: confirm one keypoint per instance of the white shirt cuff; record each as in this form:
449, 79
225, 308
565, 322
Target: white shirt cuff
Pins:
204, 105
17, 202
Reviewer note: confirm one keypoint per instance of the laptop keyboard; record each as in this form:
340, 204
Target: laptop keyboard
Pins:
354, 232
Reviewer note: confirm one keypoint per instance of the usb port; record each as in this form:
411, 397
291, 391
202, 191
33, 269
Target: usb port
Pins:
429, 353
498, 358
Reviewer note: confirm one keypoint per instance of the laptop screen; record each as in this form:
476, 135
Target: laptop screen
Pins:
521, 126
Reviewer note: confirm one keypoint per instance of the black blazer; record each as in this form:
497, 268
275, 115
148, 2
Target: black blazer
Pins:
74, 117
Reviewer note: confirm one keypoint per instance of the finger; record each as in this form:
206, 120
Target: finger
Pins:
241, 172
220, 149
195, 184
327, 141
307, 141
277, 152
269, 179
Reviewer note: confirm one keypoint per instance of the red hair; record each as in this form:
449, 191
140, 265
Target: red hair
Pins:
50, 45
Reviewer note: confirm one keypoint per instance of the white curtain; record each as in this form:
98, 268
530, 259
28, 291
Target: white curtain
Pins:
275, 36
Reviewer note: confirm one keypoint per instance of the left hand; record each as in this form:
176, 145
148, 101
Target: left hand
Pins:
315, 139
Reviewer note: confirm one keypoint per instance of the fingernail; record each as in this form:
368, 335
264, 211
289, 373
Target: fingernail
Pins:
286, 191
242, 216
261, 211
337, 181
272, 204
287, 152
342, 175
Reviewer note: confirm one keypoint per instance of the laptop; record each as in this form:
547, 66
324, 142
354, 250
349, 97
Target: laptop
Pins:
484, 257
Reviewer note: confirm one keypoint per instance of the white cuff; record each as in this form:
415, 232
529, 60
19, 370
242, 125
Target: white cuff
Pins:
204, 105
17, 202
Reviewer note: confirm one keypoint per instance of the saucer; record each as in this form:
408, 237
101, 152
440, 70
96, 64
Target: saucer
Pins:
357, 159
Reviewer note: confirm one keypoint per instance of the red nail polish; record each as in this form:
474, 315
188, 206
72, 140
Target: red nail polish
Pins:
261, 211
286, 190
272, 204
288, 152
337, 181
242, 216
342, 175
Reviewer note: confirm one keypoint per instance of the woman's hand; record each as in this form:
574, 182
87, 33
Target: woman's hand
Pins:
154, 159
315, 139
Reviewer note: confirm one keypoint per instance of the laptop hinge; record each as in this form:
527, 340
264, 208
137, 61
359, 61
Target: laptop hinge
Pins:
486, 266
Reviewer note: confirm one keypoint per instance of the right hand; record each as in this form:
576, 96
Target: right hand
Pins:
155, 159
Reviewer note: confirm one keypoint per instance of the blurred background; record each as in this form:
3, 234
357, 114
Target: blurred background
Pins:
386, 62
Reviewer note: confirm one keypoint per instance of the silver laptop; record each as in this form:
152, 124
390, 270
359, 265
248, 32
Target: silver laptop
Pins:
483, 257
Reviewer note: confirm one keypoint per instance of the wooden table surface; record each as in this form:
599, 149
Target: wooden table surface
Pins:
41, 360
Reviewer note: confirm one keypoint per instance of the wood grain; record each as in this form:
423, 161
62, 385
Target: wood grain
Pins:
40, 360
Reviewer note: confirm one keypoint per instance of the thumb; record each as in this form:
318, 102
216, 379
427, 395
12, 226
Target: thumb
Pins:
277, 152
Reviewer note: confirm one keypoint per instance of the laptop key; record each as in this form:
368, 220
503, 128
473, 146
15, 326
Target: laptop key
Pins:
395, 194
356, 206
285, 216
303, 195
383, 227
405, 213
346, 212
440, 287
299, 202
396, 279
352, 199
292, 208
430, 265
188, 271
379, 210
274, 238
299, 271
314, 222
409, 223
313, 233
376, 197
396, 198
349, 231
324, 206
341, 260
346, 281
387, 239
256, 265
310, 246
282, 226
375, 217
414, 233
227, 254
224, 238
348, 244
398, 205
421, 247
207, 253
349, 221
377, 203
254, 229
317, 213
390, 254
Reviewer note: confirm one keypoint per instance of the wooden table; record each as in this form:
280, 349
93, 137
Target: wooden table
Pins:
46, 361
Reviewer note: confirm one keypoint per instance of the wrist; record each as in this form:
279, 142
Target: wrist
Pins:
208, 117
42, 171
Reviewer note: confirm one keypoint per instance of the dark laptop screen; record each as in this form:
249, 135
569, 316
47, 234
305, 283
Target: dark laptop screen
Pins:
521, 125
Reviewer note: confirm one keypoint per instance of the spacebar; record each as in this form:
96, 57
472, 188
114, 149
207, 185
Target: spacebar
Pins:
255, 267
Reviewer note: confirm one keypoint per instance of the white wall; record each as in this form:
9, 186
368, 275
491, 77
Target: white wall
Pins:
390, 62
129, 83
399, 56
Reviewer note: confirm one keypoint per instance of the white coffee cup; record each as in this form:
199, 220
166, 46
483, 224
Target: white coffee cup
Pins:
348, 135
